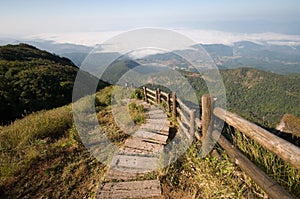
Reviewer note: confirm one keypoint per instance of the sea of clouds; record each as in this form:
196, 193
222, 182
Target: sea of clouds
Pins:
199, 36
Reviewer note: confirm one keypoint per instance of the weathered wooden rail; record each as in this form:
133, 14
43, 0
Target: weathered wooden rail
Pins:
188, 123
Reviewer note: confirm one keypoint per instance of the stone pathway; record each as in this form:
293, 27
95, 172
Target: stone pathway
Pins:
139, 156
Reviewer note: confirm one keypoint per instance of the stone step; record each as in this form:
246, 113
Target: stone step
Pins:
117, 173
135, 162
143, 144
138, 152
139, 156
133, 189
151, 136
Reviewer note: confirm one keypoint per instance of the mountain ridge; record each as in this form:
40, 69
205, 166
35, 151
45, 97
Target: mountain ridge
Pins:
281, 59
26, 52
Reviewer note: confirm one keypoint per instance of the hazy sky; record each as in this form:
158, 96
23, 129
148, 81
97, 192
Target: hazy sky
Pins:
28, 17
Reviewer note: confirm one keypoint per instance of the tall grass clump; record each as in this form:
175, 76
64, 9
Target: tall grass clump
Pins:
35, 126
137, 113
282, 172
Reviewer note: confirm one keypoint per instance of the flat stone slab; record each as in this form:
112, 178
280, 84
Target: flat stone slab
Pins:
136, 162
134, 189
138, 152
116, 173
143, 144
156, 121
152, 136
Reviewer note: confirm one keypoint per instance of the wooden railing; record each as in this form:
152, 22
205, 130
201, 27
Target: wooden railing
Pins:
188, 123
175, 107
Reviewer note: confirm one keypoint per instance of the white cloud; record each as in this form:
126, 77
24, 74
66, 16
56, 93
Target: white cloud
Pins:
199, 36
219, 37
80, 38
144, 52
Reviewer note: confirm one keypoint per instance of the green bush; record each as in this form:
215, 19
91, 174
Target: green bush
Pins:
137, 94
104, 96
137, 113
132, 106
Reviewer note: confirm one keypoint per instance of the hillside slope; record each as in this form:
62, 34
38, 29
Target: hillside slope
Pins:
25, 52
259, 96
32, 79
264, 97
42, 154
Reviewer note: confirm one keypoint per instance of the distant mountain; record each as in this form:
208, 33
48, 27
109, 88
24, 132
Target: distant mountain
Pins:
217, 50
32, 79
76, 53
272, 58
117, 69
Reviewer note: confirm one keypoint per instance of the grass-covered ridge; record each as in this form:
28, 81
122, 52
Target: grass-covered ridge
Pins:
41, 155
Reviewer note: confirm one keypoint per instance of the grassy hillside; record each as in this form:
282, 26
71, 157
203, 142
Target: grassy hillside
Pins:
42, 154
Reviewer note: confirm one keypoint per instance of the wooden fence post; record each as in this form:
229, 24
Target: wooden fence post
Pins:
174, 105
158, 95
145, 94
168, 103
207, 110
192, 123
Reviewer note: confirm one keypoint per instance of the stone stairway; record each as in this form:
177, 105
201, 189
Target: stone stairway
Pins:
139, 156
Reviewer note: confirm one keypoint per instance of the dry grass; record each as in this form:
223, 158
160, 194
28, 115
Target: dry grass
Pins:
218, 177
194, 177
42, 156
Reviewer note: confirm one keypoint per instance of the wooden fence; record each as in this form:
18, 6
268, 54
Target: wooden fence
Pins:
188, 123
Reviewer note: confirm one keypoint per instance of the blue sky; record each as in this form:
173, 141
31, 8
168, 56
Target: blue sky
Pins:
36, 16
